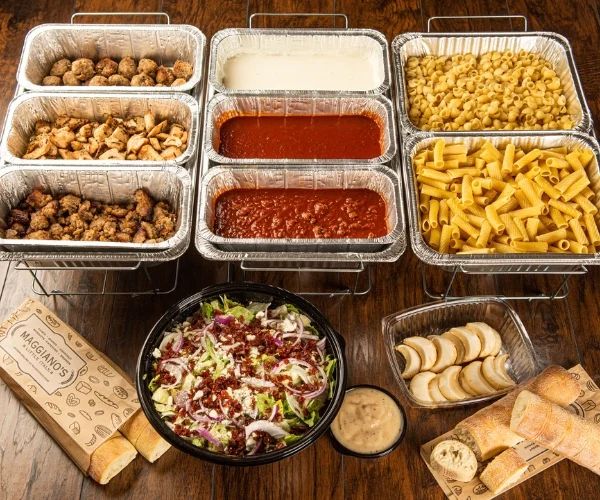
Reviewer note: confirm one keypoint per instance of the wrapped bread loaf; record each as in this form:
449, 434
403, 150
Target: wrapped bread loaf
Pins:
140, 433
557, 429
504, 471
488, 432
110, 458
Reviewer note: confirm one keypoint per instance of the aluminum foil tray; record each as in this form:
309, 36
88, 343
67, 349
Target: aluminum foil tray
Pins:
223, 107
439, 317
47, 43
229, 42
496, 262
27, 108
378, 178
553, 47
172, 184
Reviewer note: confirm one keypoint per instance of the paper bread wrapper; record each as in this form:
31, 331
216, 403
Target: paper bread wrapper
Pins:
538, 458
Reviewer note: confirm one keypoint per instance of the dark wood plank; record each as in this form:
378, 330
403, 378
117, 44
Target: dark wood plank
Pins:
208, 16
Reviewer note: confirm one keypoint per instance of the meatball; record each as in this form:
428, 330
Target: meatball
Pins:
69, 78
52, 80
178, 81
165, 76
60, 67
118, 80
147, 66
181, 69
127, 67
106, 67
83, 68
142, 81
98, 80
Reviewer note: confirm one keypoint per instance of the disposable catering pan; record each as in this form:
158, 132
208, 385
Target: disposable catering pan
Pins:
551, 46
172, 184
47, 43
28, 108
377, 178
369, 45
223, 107
497, 262
439, 317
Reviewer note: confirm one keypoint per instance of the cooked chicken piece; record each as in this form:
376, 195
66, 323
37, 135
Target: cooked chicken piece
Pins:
38, 222
38, 147
75, 123
118, 139
135, 142
149, 121
56, 231
173, 141
102, 132
93, 146
106, 67
42, 127
149, 229
135, 125
90, 235
60, 67
85, 131
50, 210
144, 203
140, 236
38, 235
98, 81
82, 154
118, 80
164, 76
38, 199
178, 82
18, 228
131, 156
70, 79
112, 154
62, 137
147, 66
110, 229
116, 210
162, 136
70, 203
142, 80
83, 68
176, 130
122, 238
127, 67
65, 154
157, 129
182, 69
11, 234
61, 121
147, 152
18, 216
76, 225
130, 223
86, 211
75, 145
53, 81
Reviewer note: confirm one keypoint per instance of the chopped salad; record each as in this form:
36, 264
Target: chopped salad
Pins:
242, 379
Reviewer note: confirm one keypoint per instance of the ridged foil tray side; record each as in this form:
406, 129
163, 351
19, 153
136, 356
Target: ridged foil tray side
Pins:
553, 47
172, 184
438, 317
378, 107
380, 179
47, 43
27, 108
226, 42
480, 262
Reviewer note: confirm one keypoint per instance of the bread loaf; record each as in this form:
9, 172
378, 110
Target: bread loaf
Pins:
110, 458
488, 432
504, 471
454, 460
139, 431
557, 429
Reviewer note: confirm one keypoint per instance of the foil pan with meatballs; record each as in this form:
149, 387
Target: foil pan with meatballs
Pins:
74, 209
112, 57
112, 129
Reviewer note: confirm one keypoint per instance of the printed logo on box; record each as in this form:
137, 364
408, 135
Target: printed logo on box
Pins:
42, 354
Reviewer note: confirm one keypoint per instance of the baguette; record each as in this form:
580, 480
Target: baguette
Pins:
110, 458
504, 471
488, 432
453, 460
557, 429
140, 433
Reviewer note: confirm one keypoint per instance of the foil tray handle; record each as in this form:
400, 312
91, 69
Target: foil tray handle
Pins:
121, 14
298, 14
435, 18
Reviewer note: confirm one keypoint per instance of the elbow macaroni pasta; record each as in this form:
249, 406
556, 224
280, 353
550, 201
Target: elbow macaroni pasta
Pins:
494, 91
514, 212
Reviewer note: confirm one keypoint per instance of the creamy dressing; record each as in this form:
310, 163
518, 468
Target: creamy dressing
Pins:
303, 71
369, 421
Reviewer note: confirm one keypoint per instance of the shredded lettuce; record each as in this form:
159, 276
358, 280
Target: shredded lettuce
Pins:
241, 312
208, 311
264, 403
154, 383
291, 439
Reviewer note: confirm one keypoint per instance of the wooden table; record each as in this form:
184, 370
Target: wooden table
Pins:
566, 332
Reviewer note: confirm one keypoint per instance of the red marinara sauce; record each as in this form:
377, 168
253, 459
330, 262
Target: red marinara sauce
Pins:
301, 137
300, 213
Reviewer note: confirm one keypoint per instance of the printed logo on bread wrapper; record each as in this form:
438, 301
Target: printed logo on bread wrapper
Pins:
42, 354
53, 364
538, 458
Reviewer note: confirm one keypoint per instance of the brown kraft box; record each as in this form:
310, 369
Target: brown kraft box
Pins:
78, 395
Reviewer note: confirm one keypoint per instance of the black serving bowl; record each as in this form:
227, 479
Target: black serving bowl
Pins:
345, 451
241, 292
